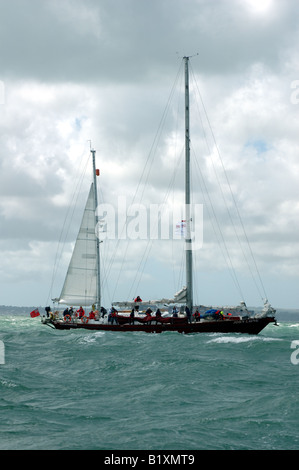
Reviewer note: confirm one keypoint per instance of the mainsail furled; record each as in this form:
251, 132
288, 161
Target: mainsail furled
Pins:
80, 286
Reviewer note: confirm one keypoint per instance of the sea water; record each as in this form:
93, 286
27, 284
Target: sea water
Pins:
138, 391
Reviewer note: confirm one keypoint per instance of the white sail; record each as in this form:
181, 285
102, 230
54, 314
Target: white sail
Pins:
80, 285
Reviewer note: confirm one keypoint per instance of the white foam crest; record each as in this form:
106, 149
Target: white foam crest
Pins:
241, 339
233, 339
91, 338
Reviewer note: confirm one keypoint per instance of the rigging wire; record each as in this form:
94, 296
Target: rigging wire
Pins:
217, 229
146, 253
233, 199
144, 258
226, 257
144, 176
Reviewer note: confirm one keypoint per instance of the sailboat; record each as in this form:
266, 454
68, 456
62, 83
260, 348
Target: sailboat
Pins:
82, 285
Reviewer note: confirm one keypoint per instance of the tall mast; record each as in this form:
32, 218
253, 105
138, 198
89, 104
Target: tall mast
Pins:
188, 241
93, 152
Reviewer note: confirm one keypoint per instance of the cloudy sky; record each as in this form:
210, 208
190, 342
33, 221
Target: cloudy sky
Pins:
75, 71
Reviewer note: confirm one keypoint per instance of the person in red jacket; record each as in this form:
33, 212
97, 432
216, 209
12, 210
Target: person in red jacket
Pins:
92, 315
81, 312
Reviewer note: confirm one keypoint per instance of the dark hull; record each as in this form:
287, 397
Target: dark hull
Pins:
250, 326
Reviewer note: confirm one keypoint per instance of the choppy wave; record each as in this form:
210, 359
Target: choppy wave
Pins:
105, 390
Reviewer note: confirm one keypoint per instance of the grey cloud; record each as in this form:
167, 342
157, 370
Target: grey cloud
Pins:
133, 41
103, 71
